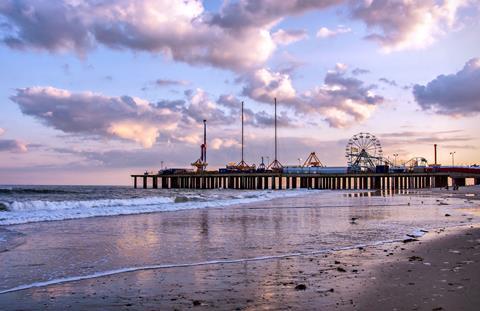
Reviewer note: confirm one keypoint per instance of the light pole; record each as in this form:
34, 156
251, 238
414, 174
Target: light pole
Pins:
299, 161
395, 155
453, 157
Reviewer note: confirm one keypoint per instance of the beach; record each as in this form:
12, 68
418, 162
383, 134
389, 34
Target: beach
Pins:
313, 250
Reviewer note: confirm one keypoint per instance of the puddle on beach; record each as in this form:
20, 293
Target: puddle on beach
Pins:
316, 221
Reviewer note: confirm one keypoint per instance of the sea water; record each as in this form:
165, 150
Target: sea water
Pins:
51, 235
24, 204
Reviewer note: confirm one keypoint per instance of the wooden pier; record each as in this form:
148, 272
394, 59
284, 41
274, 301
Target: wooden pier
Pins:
278, 181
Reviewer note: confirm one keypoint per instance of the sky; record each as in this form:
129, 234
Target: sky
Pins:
92, 91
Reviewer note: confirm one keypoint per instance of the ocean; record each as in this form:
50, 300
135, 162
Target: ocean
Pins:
59, 234
24, 204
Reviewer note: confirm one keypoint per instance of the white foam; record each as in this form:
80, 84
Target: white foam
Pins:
63, 205
417, 233
36, 211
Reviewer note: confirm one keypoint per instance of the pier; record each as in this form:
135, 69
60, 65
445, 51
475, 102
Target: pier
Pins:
279, 181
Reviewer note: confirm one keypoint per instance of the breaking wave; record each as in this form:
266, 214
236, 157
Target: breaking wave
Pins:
19, 212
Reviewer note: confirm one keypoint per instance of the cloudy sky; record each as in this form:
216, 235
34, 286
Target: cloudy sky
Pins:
93, 90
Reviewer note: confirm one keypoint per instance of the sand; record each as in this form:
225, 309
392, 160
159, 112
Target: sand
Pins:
440, 273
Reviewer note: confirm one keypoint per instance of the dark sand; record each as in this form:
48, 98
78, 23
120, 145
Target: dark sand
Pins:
443, 275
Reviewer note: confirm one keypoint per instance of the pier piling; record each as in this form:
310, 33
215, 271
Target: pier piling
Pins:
253, 181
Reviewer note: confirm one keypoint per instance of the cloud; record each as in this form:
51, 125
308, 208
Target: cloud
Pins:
359, 71
90, 113
286, 37
407, 24
324, 32
264, 85
387, 81
264, 119
169, 82
345, 100
141, 133
202, 107
178, 29
184, 31
341, 100
222, 143
407, 134
454, 94
254, 13
221, 150
12, 145
134, 119
259, 119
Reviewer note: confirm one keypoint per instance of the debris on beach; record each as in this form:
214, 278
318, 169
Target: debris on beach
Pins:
415, 258
196, 303
301, 287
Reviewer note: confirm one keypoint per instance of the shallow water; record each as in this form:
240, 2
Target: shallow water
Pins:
309, 222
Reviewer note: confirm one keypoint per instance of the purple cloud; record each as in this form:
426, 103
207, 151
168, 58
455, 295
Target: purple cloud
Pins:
11, 145
454, 94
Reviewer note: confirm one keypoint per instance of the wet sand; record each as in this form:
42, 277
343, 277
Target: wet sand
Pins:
440, 270
440, 273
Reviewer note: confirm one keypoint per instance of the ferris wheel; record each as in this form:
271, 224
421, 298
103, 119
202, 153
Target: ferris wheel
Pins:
363, 152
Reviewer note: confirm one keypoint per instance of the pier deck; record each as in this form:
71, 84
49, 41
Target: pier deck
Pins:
270, 180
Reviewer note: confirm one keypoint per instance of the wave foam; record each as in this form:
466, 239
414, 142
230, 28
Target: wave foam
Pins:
37, 205
37, 211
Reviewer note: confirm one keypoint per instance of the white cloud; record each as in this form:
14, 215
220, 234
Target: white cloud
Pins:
407, 24
142, 133
90, 113
341, 100
2, 131
324, 32
222, 143
286, 37
264, 85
